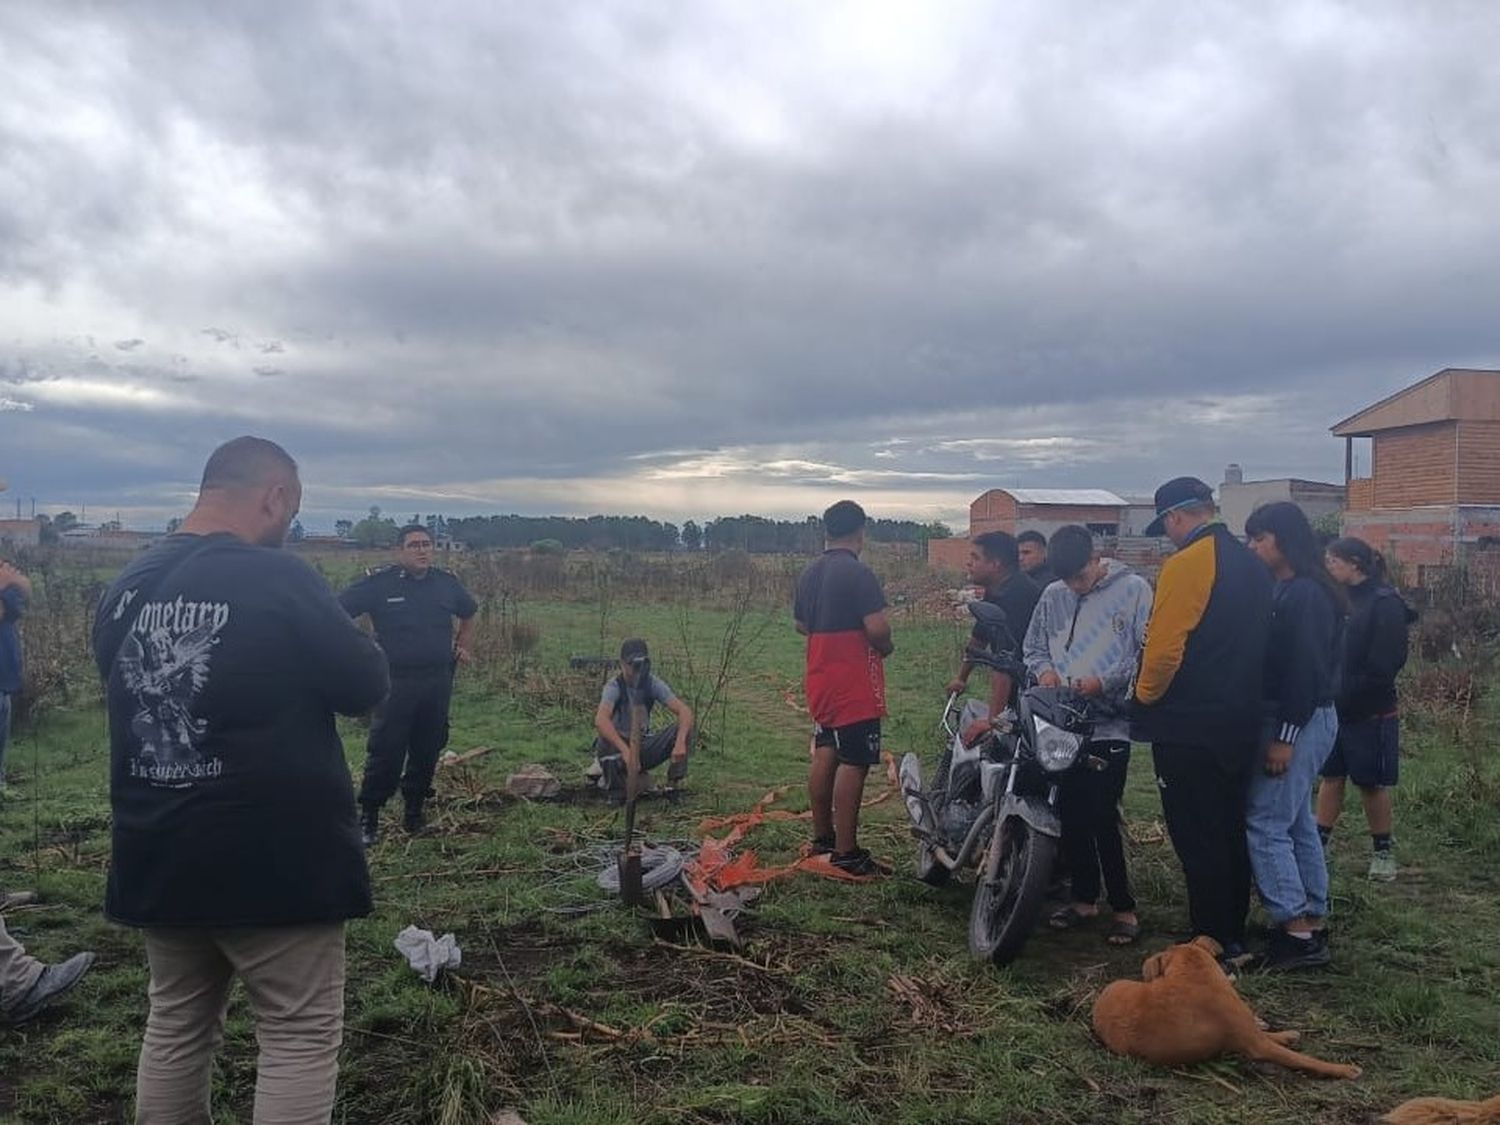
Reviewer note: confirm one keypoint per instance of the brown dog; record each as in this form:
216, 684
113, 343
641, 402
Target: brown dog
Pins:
1443, 1111
1185, 1010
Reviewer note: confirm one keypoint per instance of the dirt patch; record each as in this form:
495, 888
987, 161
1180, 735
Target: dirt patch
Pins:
721, 987
515, 954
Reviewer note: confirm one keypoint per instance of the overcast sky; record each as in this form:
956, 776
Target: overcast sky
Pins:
703, 258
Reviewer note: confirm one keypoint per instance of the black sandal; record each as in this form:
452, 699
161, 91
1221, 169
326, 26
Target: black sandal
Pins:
1069, 918
1123, 933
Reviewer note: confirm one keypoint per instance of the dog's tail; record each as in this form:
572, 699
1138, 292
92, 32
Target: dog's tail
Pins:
1268, 1050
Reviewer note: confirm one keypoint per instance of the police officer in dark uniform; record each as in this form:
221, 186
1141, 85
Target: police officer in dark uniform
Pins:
412, 606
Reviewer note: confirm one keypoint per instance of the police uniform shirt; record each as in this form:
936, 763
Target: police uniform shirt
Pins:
413, 617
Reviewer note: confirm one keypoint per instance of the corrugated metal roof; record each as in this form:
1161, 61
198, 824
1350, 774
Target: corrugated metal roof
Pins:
1077, 497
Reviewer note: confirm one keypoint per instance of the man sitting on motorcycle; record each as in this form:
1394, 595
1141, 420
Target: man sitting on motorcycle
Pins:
995, 566
1087, 633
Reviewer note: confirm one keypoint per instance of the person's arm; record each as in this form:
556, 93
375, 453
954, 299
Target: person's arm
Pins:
1310, 619
351, 668
1115, 682
465, 610
463, 640
604, 719
685, 718
1182, 593
960, 682
360, 597
12, 604
13, 579
1036, 652
870, 602
1001, 687
878, 632
1389, 642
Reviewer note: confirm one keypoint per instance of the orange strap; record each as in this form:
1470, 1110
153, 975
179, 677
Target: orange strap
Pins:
716, 868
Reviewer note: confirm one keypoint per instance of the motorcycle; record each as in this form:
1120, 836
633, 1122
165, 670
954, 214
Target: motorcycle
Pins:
994, 804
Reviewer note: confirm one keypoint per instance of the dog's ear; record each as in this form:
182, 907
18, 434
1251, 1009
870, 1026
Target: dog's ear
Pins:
1208, 943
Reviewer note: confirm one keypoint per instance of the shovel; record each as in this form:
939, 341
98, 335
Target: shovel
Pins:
631, 891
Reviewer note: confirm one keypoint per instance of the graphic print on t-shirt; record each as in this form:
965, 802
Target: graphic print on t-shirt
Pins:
164, 663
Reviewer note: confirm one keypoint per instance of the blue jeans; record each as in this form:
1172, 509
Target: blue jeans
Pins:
1286, 854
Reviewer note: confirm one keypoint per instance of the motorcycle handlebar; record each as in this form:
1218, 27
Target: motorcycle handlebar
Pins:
947, 722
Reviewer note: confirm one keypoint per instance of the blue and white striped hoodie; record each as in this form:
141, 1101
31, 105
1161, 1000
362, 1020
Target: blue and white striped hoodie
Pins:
1099, 634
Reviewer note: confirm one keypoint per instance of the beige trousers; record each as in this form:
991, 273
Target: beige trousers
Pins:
18, 970
294, 977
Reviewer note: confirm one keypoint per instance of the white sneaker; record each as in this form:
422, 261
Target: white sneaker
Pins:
1382, 866
594, 771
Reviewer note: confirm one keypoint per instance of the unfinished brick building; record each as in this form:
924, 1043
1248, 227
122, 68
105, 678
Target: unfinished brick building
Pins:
1032, 509
1432, 499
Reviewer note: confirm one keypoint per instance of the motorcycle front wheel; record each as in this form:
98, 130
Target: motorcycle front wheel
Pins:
1010, 891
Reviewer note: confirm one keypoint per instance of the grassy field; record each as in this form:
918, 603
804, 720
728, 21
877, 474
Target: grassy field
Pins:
849, 1003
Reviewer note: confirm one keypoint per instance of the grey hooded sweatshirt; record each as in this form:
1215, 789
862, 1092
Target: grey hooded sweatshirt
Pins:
1099, 634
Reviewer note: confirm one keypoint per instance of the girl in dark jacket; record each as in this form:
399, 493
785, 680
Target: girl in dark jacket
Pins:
1368, 747
1301, 684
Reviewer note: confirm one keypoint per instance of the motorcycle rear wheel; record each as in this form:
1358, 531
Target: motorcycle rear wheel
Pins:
1010, 891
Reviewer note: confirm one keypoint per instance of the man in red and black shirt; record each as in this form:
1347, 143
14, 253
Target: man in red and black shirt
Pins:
841, 610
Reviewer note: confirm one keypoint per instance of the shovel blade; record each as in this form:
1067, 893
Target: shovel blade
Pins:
631, 892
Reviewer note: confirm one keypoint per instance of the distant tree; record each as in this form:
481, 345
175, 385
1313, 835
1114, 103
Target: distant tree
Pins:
547, 547
1329, 526
692, 535
46, 529
110, 525
173, 524
297, 534
64, 521
375, 530
343, 528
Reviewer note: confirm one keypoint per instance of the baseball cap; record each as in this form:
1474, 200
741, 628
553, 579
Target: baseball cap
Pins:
1179, 492
633, 651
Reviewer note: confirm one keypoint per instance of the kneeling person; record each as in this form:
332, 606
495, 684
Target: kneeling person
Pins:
1087, 631
612, 721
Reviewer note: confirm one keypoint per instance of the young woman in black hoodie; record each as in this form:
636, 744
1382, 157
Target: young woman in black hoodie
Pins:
1368, 749
1301, 683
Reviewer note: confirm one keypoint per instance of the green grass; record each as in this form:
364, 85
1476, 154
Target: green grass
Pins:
805, 1027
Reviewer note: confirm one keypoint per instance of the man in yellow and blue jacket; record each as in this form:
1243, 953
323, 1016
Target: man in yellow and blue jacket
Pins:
1197, 701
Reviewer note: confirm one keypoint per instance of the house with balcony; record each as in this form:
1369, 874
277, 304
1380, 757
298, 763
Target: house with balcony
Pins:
1432, 497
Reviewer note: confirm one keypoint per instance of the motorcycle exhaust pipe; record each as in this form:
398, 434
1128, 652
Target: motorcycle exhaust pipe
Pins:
971, 841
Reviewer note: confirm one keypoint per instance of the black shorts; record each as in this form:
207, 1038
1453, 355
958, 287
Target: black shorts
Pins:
1368, 752
857, 744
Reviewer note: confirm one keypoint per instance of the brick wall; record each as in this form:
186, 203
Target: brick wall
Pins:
947, 554
1416, 466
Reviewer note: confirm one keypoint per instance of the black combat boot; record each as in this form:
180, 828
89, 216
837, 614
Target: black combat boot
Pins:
369, 825
414, 821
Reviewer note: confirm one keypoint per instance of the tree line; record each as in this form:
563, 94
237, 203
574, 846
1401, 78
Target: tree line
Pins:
755, 534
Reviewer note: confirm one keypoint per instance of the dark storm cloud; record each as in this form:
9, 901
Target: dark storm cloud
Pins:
494, 249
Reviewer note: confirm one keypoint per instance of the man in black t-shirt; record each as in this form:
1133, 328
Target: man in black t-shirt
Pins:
234, 841
994, 565
412, 605
1032, 547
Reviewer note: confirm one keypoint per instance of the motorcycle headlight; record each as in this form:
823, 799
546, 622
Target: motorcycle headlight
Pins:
1056, 749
